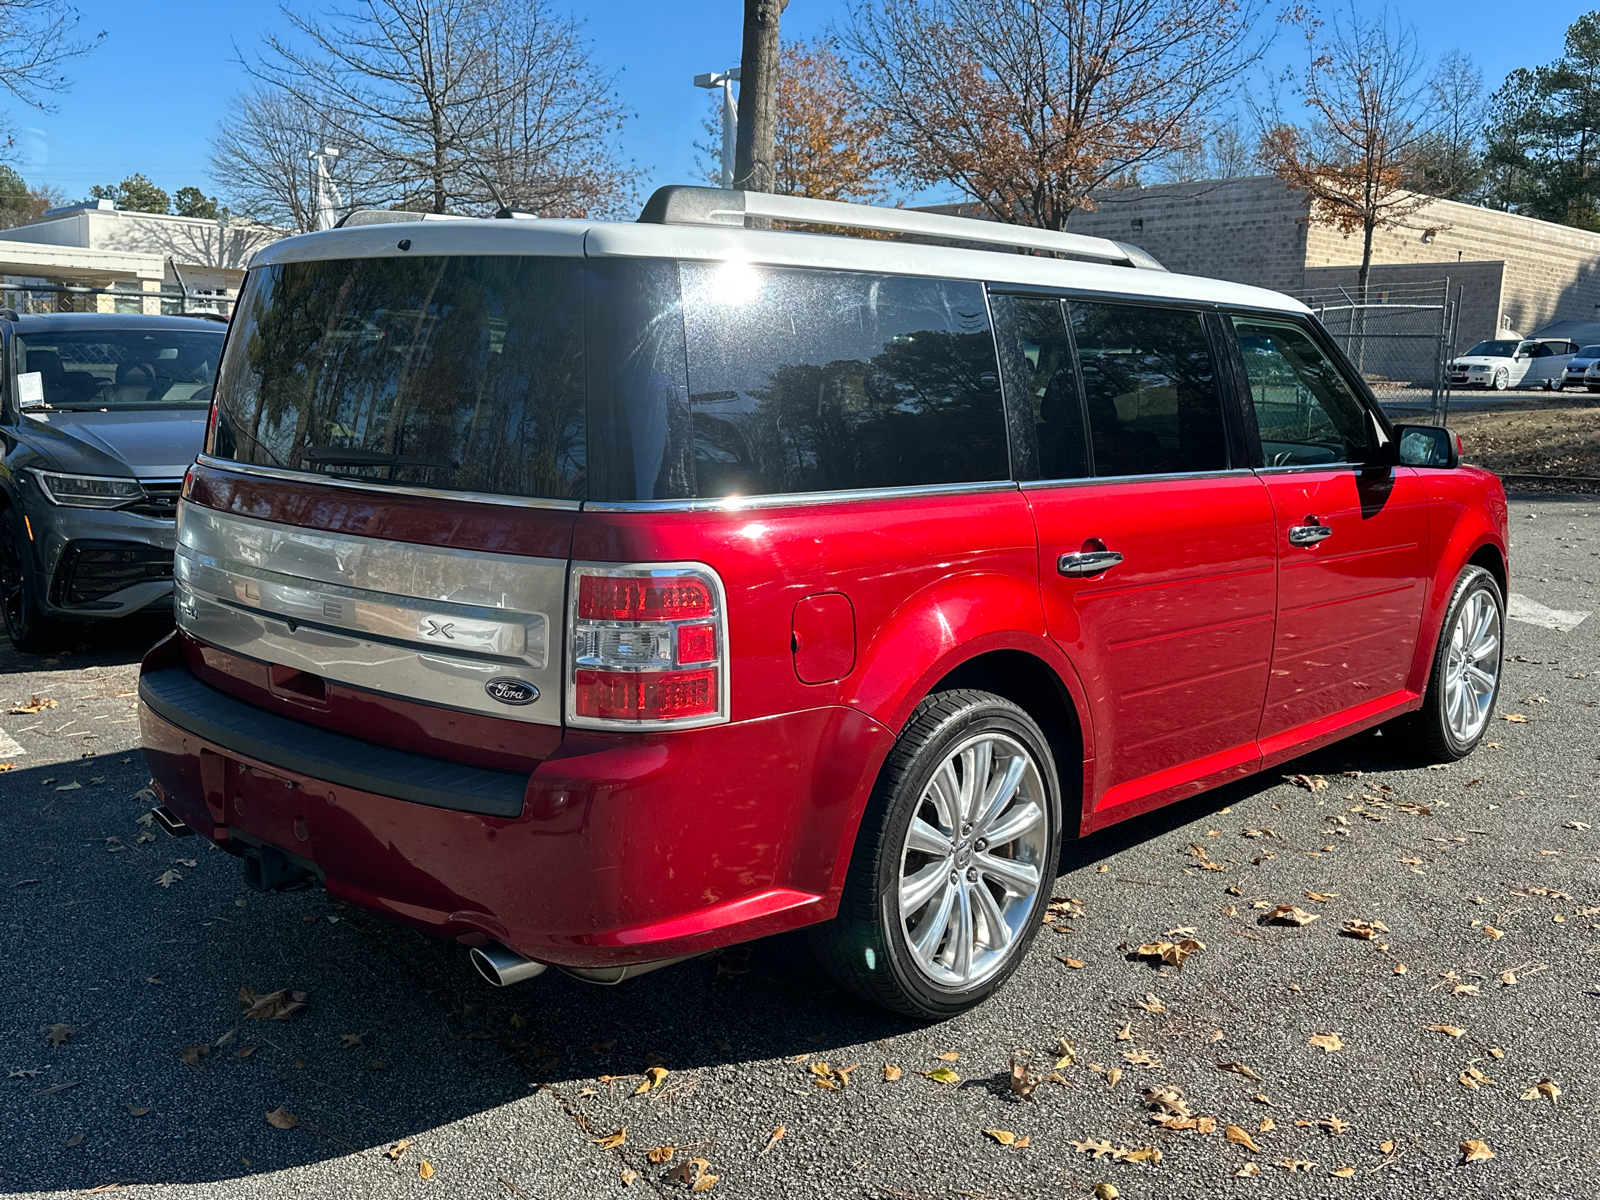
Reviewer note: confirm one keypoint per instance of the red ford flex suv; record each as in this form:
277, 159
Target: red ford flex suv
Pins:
598, 595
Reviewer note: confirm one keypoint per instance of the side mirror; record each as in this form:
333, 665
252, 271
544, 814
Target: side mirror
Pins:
1426, 446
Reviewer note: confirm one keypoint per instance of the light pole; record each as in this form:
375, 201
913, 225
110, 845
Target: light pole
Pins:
325, 193
730, 115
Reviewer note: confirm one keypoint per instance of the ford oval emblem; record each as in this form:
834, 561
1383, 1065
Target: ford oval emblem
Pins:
511, 691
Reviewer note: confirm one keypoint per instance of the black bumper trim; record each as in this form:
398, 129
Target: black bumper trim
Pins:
175, 695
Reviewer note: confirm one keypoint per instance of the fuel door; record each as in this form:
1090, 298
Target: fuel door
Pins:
823, 638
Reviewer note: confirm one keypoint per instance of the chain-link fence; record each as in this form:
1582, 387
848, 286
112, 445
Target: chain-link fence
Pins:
1400, 337
27, 299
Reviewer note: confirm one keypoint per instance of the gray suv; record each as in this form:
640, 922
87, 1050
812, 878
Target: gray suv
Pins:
100, 416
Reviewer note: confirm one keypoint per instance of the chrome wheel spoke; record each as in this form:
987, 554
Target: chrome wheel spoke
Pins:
961, 939
918, 889
1020, 878
1472, 666
925, 839
998, 795
934, 924
1017, 822
997, 934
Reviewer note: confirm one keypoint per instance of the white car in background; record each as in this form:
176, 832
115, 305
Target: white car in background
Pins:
1514, 362
1578, 369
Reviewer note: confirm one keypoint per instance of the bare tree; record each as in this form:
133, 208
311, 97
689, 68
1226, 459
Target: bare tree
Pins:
1370, 114
753, 167
1028, 106
448, 101
37, 38
1449, 160
260, 154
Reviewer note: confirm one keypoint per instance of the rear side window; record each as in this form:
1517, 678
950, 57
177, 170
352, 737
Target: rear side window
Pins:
804, 380
1151, 389
1038, 363
1305, 411
459, 373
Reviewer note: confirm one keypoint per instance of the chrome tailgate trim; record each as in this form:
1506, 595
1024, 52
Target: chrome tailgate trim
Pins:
428, 623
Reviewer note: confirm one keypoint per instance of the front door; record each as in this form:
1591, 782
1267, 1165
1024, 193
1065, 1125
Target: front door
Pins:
1157, 565
1351, 539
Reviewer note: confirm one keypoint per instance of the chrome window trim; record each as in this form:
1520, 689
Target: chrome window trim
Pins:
1034, 485
792, 499
569, 675
1302, 468
378, 488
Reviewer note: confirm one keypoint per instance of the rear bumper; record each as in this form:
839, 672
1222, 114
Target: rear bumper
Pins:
620, 849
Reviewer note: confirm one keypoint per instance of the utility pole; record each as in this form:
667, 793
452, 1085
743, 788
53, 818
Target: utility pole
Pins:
324, 193
730, 115
754, 169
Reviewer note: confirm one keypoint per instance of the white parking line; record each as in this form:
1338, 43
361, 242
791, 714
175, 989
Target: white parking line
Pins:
1531, 612
8, 746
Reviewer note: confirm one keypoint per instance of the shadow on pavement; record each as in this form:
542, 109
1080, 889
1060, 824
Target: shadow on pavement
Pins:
399, 1034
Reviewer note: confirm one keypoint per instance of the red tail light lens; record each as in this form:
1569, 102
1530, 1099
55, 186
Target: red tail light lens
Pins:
609, 598
697, 644
646, 696
648, 646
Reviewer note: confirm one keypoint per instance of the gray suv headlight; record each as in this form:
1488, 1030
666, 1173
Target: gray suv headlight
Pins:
88, 491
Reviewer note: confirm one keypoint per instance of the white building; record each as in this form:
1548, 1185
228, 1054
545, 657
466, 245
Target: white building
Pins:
95, 256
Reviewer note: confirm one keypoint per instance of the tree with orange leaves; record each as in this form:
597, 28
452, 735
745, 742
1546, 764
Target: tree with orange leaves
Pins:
1028, 106
824, 146
1367, 97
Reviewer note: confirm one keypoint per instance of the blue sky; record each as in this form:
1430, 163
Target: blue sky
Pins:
149, 98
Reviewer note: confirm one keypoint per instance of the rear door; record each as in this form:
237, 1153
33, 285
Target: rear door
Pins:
1156, 542
1351, 540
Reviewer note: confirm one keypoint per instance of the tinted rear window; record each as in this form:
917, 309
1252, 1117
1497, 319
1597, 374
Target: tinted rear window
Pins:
456, 373
804, 380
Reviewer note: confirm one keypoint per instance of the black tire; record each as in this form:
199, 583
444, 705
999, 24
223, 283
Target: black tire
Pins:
30, 631
864, 948
1428, 730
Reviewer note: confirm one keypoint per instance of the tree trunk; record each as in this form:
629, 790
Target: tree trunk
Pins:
754, 168
1362, 275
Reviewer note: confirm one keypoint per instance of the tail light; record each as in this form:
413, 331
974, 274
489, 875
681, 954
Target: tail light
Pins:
649, 647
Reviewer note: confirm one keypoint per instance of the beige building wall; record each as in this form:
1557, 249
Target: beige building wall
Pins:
1552, 271
1477, 286
1258, 231
1243, 230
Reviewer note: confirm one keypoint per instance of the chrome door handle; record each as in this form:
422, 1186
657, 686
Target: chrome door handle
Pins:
1087, 562
1309, 534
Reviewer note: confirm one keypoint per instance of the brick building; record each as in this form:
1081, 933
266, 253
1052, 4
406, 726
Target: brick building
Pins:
1514, 272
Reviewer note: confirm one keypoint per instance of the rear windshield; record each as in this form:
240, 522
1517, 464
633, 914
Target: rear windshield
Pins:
618, 380
459, 373
117, 368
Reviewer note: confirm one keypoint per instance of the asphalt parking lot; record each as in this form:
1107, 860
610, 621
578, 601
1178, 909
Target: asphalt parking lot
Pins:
1451, 980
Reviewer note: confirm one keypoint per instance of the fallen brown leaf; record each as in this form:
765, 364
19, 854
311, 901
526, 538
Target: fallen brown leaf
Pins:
1544, 1089
611, 1141
424, 1169
1240, 1137
1288, 914
1247, 1170
58, 1035
1474, 1150
777, 1136
281, 1118
1447, 1030
274, 1006
661, 1154
394, 1152
891, 1072
1327, 1041
1238, 1069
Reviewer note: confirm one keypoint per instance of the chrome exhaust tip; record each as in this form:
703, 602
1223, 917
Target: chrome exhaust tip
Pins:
503, 967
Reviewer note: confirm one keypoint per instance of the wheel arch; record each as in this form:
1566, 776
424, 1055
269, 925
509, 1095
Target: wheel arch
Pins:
1035, 687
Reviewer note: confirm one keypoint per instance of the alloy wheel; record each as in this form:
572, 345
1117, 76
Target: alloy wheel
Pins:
1472, 666
971, 867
